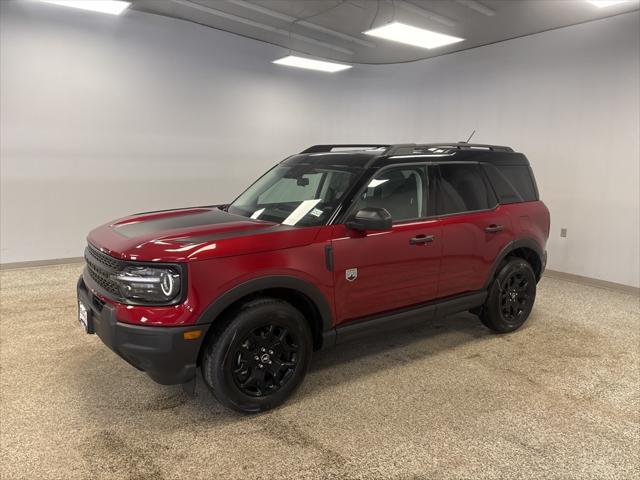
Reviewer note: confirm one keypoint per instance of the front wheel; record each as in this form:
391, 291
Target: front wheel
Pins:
260, 357
511, 296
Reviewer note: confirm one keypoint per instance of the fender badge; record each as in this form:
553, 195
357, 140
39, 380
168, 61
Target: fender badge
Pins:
351, 274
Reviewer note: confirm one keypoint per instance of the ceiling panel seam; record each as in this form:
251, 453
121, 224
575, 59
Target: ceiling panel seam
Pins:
261, 26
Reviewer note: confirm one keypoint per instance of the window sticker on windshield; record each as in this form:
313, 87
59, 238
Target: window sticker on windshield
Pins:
257, 213
300, 211
316, 212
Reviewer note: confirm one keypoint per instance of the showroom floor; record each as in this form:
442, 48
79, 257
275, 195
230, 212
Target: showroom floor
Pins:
558, 399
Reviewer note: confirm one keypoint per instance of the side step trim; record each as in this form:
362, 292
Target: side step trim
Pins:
406, 317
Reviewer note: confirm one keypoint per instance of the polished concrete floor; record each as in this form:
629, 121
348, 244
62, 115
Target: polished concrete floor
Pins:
559, 399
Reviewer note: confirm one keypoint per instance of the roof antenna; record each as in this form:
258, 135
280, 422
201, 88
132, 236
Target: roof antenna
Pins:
470, 136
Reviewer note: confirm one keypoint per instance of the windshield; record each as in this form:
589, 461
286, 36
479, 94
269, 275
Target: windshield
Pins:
300, 194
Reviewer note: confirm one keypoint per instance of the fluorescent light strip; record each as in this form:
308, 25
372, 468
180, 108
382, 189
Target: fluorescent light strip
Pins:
310, 64
112, 7
418, 37
606, 3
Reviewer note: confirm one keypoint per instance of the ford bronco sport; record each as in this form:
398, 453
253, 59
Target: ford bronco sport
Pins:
330, 244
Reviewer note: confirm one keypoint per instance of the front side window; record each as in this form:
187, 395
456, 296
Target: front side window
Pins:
399, 190
463, 188
298, 194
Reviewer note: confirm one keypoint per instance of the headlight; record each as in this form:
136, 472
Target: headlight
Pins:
149, 284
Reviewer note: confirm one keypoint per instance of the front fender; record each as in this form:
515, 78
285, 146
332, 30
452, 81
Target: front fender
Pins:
248, 287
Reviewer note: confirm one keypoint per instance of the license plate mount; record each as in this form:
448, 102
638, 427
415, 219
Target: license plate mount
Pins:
84, 317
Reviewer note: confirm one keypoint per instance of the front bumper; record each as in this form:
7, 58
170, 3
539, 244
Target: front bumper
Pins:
162, 352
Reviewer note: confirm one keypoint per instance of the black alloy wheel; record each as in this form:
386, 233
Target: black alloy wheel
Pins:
515, 296
265, 360
511, 296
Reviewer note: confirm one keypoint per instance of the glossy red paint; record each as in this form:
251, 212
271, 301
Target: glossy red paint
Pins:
469, 251
183, 244
391, 272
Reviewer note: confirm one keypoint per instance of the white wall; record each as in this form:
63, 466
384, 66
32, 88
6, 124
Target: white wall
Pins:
102, 116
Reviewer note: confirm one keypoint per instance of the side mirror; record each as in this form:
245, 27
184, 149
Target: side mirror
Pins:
370, 219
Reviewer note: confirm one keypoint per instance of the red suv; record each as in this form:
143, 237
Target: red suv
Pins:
330, 244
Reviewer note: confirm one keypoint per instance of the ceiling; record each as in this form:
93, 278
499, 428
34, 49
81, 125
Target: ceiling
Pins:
332, 29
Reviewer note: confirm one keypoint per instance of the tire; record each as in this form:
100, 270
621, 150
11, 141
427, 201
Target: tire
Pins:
511, 296
258, 357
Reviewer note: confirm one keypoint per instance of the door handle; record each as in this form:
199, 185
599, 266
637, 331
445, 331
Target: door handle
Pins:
494, 228
421, 239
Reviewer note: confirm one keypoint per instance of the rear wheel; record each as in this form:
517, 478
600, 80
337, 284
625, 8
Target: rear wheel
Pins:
260, 357
511, 297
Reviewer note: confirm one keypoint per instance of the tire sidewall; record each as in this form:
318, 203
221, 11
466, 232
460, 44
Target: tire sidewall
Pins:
216, 366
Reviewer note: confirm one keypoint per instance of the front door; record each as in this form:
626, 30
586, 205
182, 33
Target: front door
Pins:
377, 272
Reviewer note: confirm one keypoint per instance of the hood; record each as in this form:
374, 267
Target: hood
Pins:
193, 234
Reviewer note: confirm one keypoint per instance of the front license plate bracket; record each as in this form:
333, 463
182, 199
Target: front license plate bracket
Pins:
85, 317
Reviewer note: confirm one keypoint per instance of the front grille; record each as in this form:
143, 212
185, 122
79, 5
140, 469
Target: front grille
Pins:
106, 260
101, 268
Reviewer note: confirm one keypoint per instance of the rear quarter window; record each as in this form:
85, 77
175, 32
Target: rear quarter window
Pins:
463, 188
512, 183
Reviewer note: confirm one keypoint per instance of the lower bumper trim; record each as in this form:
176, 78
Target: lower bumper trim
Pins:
161, 352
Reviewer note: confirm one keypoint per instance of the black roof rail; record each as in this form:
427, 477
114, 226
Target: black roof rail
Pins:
406, 148
416, 148
471, 146
345, 146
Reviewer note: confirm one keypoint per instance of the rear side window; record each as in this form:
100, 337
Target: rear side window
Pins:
512, 183
463, 188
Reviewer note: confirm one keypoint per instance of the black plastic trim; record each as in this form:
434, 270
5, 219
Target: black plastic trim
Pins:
408, 316
328, 257
510, 247
263, 283
161, 352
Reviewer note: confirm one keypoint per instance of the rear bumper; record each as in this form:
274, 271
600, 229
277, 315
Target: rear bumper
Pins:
161, 352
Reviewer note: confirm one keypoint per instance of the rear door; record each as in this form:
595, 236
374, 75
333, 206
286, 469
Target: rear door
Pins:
382, 271
474, 227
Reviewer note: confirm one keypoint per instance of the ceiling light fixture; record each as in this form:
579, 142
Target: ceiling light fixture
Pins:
418, 37
112, 7
606, 3
310, 64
